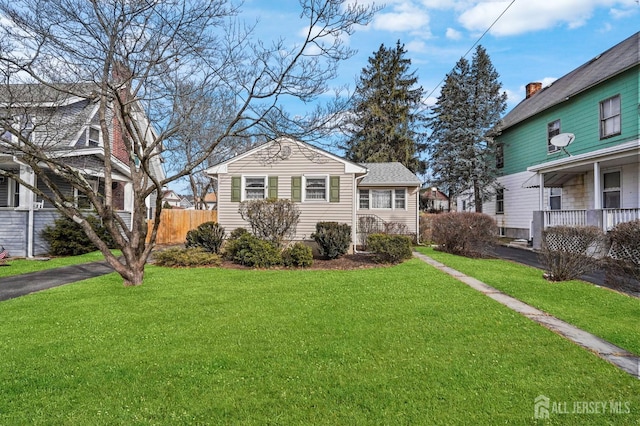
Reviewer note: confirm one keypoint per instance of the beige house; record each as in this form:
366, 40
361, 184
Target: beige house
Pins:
368, 197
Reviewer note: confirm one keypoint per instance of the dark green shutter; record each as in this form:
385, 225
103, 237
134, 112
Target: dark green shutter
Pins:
296, 188
273, 187
235, 189
334, 189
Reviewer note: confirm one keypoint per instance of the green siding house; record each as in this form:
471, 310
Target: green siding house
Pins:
595, 179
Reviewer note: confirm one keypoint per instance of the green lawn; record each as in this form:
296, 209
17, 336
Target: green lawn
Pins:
401, 345
24, 266
613, 316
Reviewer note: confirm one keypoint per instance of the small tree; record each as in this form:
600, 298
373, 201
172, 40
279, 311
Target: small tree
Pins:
273, 220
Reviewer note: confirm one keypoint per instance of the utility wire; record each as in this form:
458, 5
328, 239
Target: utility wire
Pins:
474, 45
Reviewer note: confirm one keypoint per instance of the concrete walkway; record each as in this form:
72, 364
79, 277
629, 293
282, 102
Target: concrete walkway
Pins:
626, 361
20, 285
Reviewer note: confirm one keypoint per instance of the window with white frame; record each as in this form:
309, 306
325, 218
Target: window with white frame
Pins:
82, 201
553, 129
255, 187
400, 199
555, 198
611, 190
500, 201
610, 117
315, 188
93, 136
382, 199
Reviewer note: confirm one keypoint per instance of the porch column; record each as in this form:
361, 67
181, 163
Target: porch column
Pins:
26, 201
541, 192
597, 192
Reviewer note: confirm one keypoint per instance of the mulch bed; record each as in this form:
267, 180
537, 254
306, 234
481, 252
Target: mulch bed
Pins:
346, 262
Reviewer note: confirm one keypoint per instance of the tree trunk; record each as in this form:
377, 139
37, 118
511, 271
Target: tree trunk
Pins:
477, 197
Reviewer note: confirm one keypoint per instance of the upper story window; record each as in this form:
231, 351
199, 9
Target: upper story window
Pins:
382, 199
553, 129
610, 117
500, 201
255, 187
93, 136
499, 156
315, 188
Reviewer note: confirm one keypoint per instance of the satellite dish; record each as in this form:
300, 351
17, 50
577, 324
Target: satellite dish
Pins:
562, 140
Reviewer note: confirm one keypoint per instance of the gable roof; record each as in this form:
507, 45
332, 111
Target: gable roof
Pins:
349, 166
389, 174
614, 61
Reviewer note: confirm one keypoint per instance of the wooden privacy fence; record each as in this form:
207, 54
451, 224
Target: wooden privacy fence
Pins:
174, 224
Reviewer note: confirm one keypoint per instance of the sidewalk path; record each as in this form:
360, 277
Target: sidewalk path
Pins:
619, 357
20, 285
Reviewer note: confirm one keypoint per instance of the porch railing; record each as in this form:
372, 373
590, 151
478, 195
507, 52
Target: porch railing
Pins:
612, 217
565, 218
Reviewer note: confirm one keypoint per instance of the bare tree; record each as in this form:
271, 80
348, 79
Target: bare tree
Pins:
165, 61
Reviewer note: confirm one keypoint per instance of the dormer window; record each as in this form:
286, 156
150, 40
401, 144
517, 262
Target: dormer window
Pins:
93, 136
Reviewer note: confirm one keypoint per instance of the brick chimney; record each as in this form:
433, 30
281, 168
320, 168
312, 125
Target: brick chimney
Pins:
533, 88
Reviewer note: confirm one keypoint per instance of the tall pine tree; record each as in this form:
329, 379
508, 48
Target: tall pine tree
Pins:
385, 118
467, 113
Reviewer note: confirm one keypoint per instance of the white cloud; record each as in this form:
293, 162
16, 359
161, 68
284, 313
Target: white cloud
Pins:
531, 15
622, 13
403, 16
453, 34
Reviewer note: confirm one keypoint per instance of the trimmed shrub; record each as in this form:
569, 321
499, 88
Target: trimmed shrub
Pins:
569, 252
297, 255
237, 233
189, 257
466, 234
622, 266
390, 248
333, 238
67, 238
250, 250
208, 236
273, 220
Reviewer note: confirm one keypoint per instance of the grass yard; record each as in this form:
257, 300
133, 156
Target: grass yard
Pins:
613, 316
401, 345
24, 266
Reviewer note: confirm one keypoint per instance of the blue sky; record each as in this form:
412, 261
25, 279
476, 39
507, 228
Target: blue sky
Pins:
535, 40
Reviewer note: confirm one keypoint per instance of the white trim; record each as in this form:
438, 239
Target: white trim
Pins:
610, 153
393, 199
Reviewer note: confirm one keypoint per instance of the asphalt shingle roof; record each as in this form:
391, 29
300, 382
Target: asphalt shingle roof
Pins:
617, 59
389, 174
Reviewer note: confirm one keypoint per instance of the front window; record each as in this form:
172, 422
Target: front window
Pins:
254, 188
555, 198
611, 191
610, 117
315, 188
553, 129
500, 201
82, 201
382, 199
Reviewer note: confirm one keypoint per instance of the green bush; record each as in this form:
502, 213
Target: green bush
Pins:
208, 236
390, 248
465, 234
67, 238
251, 251
297, 255
333, 238
189, 257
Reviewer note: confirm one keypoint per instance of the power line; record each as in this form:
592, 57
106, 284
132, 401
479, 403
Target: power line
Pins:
474, 45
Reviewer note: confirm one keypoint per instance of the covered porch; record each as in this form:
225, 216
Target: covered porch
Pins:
599, 188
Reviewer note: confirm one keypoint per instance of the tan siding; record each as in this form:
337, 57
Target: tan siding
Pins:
406, 216
300, 162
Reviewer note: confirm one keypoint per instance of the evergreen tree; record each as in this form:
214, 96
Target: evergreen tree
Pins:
464, 119
385, 119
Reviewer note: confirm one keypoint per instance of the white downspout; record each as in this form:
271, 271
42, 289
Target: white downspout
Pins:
354, 231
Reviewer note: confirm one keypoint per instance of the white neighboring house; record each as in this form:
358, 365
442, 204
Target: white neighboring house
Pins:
326, 188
